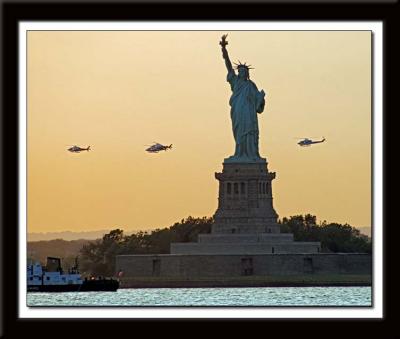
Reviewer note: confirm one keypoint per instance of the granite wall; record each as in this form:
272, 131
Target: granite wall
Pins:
192, 266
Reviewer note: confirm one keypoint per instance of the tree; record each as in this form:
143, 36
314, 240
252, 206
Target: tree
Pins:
334, 237
98, 257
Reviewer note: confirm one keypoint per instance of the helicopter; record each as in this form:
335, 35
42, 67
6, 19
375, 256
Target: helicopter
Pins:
309, 142
157, 147
77, 149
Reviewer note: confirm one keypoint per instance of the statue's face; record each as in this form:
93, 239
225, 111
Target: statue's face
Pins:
243, 73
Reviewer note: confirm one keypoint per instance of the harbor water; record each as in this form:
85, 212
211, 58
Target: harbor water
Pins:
249, 296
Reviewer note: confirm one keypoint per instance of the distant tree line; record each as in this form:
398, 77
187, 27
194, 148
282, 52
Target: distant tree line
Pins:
97, 257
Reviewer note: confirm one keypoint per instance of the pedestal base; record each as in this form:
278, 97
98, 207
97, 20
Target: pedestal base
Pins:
263, 243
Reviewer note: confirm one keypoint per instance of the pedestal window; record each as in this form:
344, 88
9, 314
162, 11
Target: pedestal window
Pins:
229, 188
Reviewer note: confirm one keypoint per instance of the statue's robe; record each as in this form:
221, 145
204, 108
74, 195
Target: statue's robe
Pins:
246, 101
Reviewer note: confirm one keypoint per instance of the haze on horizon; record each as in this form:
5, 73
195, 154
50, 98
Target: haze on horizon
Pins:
118, 91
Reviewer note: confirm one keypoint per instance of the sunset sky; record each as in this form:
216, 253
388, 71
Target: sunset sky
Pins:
119, 91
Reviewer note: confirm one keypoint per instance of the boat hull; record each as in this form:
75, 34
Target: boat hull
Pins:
86, 286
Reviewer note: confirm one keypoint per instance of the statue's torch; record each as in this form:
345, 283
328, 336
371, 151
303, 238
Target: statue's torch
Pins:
223, 41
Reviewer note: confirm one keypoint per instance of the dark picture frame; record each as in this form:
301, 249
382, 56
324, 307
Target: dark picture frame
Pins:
13, 13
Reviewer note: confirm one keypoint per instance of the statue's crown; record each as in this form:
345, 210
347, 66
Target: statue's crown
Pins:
237, 66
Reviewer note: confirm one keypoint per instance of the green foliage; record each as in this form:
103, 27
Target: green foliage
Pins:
334, 237
98, 258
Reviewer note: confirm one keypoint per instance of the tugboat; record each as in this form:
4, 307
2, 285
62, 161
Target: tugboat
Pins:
51, 278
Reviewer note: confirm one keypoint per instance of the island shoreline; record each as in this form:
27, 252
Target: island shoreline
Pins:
246, 281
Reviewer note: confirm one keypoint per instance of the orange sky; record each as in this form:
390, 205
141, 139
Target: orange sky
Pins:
119, 91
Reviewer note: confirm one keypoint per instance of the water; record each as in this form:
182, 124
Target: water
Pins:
249, 296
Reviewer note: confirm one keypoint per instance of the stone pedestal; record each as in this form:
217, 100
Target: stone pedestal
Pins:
245, 200
245, 222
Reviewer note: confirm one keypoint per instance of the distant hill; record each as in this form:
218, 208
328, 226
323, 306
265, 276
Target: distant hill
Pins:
66, 250
67, 235
64, 245
70, 235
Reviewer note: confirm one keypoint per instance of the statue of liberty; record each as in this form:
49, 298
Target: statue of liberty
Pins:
246, 101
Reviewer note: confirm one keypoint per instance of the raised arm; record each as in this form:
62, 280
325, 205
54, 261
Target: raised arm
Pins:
225, 55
